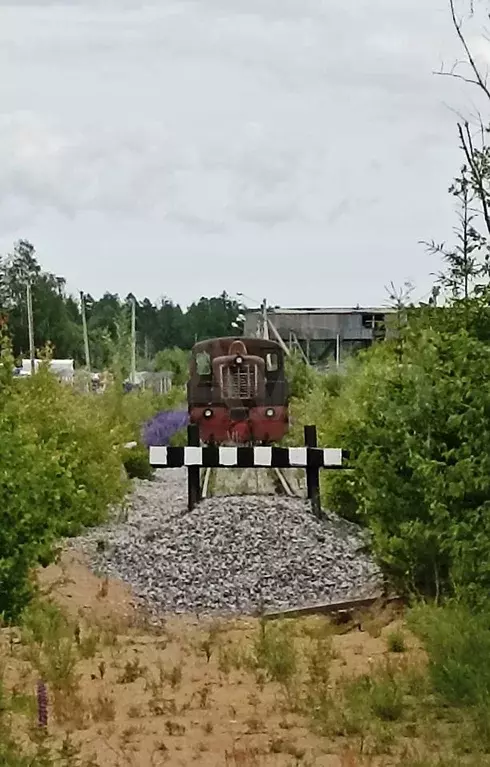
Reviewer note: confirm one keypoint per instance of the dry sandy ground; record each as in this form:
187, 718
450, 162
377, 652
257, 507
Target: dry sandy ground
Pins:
152, 696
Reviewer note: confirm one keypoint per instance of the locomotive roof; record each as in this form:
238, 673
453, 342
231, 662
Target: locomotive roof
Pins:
253, 343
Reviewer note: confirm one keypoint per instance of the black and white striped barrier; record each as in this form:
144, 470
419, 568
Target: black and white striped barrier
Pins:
246, 457
194, 457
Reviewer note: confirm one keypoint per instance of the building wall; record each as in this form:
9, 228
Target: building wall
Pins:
317, 330
318, 324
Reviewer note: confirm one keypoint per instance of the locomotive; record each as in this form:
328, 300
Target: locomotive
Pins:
237, 391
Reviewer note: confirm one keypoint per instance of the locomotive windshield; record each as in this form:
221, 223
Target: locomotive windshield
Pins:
203, 363
271, 362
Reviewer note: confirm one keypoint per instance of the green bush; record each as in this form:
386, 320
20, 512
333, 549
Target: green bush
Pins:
60, 470
175, 361
415, 415
137, 464
300, 376
418, 426
457, 642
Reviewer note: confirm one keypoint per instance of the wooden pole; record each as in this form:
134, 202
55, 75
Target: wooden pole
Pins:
193, 472
30, 322
133, 340
85, 332
265, 325
313, 473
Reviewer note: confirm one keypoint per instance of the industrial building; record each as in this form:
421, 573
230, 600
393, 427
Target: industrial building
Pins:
325, 336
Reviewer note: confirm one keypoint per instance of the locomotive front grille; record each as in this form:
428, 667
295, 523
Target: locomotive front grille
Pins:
239, 382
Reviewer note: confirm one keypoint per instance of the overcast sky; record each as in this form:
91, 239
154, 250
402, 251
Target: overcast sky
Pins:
293, 149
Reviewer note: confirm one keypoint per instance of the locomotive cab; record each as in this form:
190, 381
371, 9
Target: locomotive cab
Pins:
237, 390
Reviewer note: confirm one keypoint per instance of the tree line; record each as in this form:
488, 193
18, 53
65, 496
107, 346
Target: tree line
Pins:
58, 319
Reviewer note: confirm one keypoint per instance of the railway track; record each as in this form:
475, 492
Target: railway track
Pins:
228, 482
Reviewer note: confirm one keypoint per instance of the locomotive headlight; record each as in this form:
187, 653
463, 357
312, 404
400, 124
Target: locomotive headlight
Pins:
269, 412
238, 360
208, 413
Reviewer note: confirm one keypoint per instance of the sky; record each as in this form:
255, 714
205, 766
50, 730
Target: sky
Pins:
297, 150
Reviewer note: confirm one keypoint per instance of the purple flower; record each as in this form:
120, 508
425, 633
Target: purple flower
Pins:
160, 429
42, 704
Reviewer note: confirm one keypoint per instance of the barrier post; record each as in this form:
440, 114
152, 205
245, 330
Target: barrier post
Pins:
312, 473
193, 472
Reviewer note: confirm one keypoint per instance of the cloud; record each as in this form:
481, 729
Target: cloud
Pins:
210, 117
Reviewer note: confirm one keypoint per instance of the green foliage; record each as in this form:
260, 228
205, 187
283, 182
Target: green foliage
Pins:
301, 377
457, 641
61, 470
396, 641
175, 361
275, 651
137, 464
416, 418
418, 428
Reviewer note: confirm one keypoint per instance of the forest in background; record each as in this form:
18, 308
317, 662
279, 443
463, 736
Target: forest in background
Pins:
58, 320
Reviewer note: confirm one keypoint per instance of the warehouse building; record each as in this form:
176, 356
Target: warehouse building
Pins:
325, 336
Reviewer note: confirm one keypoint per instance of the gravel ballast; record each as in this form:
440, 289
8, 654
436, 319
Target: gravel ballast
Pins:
230, 554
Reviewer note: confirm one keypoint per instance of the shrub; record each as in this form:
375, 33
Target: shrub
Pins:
175, 361
137, 464
457, 642
60, 471
417, 423
416, 418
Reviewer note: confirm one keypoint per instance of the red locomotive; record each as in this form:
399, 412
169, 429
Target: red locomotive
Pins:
237, 390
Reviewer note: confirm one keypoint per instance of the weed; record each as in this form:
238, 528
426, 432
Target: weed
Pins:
204, 693
286, 746
103, 709
69, 707
160, 707
243, 757
174, 676
230, 658
254, 724
275, 652
208, 644
132, 671
68, 751
129, 733
458, 643
396, 641
103, 589
49, 645
174, 728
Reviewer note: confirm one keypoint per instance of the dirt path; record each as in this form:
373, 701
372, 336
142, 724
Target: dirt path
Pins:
182, 693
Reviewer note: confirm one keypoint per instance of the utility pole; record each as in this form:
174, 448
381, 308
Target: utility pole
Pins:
30, 322
85, 332
133, 340
265, 324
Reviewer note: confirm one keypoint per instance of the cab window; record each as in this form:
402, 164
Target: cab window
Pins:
203, 363
272, 363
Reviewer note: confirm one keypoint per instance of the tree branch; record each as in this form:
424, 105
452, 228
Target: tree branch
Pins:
480, 81
469, 151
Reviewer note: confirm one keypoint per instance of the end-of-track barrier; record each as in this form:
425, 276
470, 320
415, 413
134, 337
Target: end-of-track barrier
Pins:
194, 457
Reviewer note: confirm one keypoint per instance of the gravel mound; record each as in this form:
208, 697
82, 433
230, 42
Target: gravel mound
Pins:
230, 554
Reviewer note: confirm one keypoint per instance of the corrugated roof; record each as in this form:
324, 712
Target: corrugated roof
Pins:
328, 310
